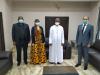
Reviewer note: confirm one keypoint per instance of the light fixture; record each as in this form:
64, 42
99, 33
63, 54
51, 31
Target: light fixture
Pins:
57, 6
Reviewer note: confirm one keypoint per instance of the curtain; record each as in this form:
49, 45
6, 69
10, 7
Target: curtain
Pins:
98, 26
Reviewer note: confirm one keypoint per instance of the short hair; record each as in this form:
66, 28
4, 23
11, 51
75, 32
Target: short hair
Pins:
20, 17
85, 18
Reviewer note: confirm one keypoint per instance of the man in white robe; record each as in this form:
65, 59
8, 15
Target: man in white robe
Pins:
56, 41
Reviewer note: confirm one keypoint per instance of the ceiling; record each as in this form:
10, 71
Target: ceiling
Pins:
61, 0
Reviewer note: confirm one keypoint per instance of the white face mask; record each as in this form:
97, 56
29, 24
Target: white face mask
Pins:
21, 21
57, 23
38, 23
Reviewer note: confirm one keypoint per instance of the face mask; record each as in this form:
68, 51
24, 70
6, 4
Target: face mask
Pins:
57, 23
21, 21
37, 23
85, 21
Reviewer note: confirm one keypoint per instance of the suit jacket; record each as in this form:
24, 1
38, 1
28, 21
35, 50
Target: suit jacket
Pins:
86, 37
33, 34
21, 33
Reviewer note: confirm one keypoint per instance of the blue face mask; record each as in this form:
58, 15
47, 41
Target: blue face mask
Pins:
85, 21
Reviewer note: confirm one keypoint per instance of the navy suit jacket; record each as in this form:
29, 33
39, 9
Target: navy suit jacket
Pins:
86, 37
21, 33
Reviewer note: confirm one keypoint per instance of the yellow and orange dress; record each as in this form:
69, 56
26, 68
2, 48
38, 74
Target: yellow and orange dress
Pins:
38, 53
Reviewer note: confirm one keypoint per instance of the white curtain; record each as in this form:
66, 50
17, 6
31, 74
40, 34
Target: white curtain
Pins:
98, 26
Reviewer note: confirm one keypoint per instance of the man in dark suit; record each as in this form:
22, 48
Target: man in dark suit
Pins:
21, 38
84, 39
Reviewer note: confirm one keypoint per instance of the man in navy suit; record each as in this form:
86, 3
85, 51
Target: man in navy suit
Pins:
84, 39
21, 38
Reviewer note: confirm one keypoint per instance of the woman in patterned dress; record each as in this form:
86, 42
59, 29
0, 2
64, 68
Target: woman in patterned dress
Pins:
38, 53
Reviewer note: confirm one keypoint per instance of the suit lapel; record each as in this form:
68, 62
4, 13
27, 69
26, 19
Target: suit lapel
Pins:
80, 28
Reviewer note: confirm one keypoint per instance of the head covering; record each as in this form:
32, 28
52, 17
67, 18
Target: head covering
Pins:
57, 20
20, 17
37, 20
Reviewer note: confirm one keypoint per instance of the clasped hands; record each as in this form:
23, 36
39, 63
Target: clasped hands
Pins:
51, 44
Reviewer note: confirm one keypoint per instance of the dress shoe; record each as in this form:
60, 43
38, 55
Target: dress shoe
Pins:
18, 64
26, 63
77, 65
51, 62
58, 63
85, 67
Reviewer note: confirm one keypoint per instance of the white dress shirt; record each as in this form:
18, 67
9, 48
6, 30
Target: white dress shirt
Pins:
84, 27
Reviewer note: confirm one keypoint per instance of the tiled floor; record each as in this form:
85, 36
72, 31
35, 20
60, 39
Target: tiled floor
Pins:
31, 69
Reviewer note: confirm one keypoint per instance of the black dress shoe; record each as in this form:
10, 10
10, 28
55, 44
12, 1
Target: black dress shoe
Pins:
85, 67
18, 64
77, 65
26, 63
58, 63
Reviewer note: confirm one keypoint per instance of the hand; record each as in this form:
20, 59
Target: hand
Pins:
32, 44
14, 43
62, 44
44, 43
50, 44
88, 45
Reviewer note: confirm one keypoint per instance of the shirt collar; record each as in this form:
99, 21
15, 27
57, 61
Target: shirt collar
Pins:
84, 24
56, 25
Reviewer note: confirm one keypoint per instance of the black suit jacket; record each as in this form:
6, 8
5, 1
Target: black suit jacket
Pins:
21, 33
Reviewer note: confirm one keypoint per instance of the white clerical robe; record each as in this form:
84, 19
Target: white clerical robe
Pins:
56, 38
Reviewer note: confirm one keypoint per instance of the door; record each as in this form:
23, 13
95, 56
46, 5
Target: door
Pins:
2, 44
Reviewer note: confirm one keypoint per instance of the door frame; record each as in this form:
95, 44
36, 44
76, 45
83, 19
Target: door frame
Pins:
2, 33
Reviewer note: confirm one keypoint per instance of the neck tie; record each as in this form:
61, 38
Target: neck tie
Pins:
83, 28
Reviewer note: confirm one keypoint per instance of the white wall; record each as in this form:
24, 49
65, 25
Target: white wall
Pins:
57, 0
31, 11
6, 11
75, 11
